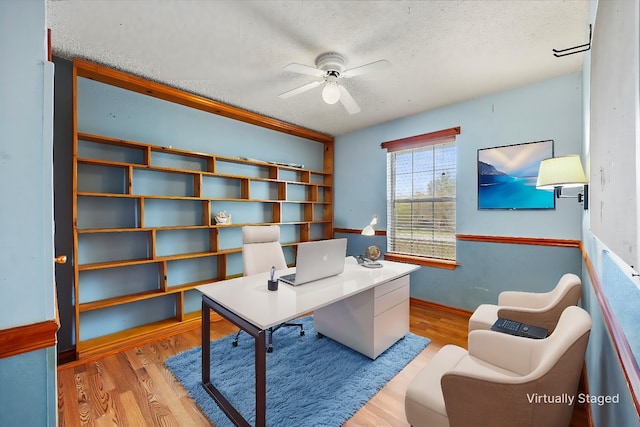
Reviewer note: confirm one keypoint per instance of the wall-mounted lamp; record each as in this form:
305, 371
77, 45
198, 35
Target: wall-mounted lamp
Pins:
372, 253
557, 173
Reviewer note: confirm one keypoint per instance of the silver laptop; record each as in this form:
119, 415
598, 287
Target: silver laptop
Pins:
317, 260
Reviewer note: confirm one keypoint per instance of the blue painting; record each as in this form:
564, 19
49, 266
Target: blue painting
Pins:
507, 177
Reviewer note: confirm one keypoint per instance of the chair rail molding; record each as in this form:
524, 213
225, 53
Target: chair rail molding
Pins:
26, 338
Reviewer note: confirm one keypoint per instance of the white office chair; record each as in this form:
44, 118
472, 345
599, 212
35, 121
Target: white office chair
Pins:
261, 250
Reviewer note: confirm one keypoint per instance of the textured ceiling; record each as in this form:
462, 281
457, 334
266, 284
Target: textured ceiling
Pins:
441, 52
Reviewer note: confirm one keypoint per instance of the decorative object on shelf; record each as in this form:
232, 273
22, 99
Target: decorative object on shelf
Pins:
372, 253
507, 176
222, 218
561, 172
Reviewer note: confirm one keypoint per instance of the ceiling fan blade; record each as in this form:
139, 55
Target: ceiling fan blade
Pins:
367, 68
298, 90
348, 102
304, 69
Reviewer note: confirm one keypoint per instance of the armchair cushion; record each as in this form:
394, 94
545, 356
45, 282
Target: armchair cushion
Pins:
505, 352
523, 299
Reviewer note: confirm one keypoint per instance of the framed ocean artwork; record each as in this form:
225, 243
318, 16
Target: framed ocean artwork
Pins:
507, 176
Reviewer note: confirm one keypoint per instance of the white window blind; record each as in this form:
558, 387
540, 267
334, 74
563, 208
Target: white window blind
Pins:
421, 200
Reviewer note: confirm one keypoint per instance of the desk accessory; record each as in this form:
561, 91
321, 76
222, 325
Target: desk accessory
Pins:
272, 283
368, 262
372, 253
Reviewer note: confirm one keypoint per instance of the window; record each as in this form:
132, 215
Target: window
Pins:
421, 197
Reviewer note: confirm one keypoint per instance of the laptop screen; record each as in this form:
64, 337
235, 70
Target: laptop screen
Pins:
317, 260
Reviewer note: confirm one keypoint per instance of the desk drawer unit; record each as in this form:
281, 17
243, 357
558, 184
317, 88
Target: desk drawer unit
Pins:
368, 322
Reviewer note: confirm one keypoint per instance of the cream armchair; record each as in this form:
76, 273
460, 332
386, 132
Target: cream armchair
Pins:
539, 309
503, 380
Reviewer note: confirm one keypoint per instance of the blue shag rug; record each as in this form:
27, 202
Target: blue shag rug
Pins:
310, 381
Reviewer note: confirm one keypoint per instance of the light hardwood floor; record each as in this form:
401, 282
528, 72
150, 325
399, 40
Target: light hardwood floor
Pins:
133, 387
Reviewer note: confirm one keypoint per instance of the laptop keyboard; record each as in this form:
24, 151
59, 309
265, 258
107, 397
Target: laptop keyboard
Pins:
291, 278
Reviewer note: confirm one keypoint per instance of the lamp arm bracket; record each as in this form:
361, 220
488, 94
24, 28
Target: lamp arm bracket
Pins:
582, 197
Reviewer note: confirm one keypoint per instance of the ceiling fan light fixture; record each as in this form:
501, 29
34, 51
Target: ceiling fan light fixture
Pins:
331, 93
330, 66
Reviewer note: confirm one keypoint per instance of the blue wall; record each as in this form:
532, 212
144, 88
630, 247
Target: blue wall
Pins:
110, 111
26, 247
27, 381
28, 389
603, 367
546, 110
604, 372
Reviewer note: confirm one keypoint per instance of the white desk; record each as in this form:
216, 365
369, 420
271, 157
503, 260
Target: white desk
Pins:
365, 309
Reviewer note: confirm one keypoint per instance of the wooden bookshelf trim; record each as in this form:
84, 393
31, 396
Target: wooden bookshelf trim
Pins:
137, 84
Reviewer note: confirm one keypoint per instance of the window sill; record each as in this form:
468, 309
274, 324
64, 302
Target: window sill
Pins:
427, 262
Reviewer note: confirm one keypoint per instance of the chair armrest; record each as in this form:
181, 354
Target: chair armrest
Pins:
471, 401
505, 351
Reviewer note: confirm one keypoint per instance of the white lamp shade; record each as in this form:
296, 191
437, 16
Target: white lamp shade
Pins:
368, 230
331, 93
564, 171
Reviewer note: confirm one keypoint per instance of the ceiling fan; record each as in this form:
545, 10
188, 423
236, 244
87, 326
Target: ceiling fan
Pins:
330, 68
